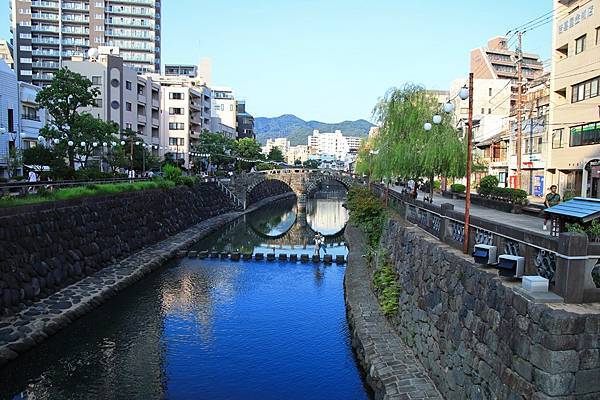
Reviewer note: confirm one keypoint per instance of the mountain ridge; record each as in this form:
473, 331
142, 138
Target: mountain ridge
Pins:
297, 130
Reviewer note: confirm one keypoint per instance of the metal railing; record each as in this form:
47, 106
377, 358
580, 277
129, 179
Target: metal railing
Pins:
551, 257
24, 186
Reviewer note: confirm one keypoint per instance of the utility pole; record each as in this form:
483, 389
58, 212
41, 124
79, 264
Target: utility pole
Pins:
519, 107
469, 158
131, 153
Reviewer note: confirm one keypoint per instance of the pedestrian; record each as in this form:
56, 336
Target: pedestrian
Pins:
150, 174
32, 178
317, 240
551, 200
131, 175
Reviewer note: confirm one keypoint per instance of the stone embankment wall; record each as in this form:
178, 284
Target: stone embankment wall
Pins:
268, 188
478, 337
46, 247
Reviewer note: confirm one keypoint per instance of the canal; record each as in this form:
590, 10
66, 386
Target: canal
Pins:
214, 329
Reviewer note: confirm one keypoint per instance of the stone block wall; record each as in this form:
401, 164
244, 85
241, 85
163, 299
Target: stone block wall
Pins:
478, 337
46, 247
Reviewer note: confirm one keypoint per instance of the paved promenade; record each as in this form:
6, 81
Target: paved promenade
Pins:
523, 221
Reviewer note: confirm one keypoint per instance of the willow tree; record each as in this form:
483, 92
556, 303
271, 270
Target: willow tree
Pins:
405, 148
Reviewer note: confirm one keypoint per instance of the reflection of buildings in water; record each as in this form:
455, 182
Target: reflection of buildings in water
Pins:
195, 294
326, 215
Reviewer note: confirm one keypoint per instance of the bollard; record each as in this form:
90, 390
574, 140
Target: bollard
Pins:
328, 259
181, 253
214, 254
259, 256
293, 258
193, 254
235, 256
316, 259
271, 257
304, 258
203, 254
282, 257
224, 256
339, 259
247, 256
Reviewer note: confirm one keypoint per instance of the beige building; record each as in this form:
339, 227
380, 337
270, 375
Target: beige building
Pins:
129, 99
299, 152
185, 104
281, 143
6, 53
574, 163
224, 106
45, 33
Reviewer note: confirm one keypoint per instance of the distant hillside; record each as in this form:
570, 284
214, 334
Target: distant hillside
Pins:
297, 130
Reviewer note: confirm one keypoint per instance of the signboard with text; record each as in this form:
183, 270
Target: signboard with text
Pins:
576, 18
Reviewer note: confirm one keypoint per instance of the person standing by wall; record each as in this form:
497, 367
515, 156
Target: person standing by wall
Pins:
551, 200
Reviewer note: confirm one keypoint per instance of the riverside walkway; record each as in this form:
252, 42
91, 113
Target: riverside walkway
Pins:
523, 221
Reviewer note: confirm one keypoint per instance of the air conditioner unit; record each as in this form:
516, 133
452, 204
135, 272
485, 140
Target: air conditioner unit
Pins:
511, 266
485, 254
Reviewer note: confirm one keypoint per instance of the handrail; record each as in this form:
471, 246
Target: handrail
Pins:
69, 183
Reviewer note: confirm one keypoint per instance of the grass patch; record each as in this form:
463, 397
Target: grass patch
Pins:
44, 196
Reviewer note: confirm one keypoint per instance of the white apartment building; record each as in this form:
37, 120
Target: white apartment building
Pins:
224, 105
32, 117
10, 128
129, 99
299, 152
281, 143
186, 109
330, 145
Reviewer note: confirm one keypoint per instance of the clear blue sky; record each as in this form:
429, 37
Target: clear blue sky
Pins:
330, 60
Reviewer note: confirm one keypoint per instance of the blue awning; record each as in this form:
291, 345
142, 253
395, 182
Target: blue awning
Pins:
580, 208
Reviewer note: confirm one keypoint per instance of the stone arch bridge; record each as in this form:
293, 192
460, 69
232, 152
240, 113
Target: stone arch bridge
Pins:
303, 182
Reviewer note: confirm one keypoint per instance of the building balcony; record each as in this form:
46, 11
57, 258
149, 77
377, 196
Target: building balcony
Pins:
141, 98
155, 103
155, 122
42, 77
46, 53
129, 34
44, 28
44, 4
46, 40
129, 23
75, 19
45, 16
75, 31
142, 118
136, 11
46, 65
75, 7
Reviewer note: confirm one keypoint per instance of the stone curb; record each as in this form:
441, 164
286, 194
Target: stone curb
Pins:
392, 370
36, 323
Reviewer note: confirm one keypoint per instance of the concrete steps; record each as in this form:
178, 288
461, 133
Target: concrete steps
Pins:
292, 258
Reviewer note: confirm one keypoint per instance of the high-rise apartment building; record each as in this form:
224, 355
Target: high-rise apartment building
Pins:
245, 122
574, 163
44, 33
497, 61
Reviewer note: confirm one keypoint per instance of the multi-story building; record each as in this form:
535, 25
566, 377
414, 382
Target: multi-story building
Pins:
6, 52
574, 163
191, 71
297, 153
186, 107
224, 106
281, 143
129, 99
10, 130
44, 33
245, 122
32, 117
332, 146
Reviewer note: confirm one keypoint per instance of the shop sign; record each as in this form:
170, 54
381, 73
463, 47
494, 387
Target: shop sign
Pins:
579, 16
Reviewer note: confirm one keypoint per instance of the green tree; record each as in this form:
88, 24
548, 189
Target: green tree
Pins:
67, 92
116, 157
275, 155
311, 164
405, 148
89, 130
297, 163
249, 149
217, 145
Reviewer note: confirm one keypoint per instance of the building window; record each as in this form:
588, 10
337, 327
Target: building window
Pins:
176, 126
30, 113
489, 110
175, 111
128, 85
11, 120
96, 80
176, 96
584, 135
490, 92
580, 44
483, 110
598, 36
557, 139
127, 125
98, 103
128, 106
586, 90
176, 141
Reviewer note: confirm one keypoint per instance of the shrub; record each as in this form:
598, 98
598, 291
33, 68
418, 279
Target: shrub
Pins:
171, 172
186, 180
266, 166
575, 228
568, 195
458, 188
368, 212
387, 289
593, 231
487, 185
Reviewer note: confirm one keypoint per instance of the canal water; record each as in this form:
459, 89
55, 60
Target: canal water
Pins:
213, 329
